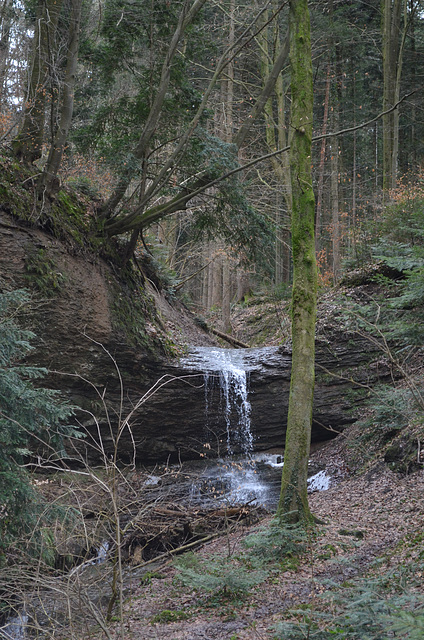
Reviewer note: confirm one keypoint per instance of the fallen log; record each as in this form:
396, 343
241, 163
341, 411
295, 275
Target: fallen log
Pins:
224, 336
230, 339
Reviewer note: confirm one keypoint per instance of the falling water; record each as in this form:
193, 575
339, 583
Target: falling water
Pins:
226, 368
15, 628
245, 476
226, 379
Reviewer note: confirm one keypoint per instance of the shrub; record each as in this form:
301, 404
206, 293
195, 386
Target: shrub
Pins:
220, 574
31, 420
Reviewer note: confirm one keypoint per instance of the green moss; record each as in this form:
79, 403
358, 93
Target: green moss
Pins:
15, 199
329, 552
42, 273
351, 532
167, 616
71, 218
134, 315
67, 217
129, 317
151, 575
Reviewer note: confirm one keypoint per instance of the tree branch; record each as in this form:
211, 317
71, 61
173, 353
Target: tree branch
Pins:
144, 218
130, 221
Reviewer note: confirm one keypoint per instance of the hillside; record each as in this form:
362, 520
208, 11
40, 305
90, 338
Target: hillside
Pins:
106, 331
359, 574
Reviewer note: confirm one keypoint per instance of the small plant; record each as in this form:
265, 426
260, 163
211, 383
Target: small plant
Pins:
277, 543
376, 609
32, 421
167, 616
282, 291
84, 185
149, 576
218, 574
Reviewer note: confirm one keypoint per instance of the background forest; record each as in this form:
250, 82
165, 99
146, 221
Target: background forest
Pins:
148, 106
170, 121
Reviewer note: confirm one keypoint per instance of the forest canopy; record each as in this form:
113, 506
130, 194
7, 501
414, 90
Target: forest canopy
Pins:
147, 107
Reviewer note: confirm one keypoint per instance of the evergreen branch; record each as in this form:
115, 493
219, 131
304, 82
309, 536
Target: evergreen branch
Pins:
178, 203
132, 220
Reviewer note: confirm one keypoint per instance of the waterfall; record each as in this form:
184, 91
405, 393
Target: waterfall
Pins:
15, 628
225, 370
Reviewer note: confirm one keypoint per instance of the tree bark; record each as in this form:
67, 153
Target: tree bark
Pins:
49, 180
227, 130
335, 217
393, 47
293, 504
6, 13
29, 142
318, 215
276, 137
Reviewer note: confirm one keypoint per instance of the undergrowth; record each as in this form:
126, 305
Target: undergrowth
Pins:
218, 574
267, 550
387, 603
378, 608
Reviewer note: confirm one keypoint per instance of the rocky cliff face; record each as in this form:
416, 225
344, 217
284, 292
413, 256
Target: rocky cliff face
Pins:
343, 365
108, 341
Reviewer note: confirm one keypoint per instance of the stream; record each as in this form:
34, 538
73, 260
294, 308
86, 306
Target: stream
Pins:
242, 476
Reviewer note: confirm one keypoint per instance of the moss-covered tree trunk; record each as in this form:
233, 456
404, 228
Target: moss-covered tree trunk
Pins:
293, 505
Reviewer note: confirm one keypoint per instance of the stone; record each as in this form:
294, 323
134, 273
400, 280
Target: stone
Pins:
132, 397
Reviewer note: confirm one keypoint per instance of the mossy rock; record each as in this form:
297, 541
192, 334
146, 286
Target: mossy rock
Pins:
401, 456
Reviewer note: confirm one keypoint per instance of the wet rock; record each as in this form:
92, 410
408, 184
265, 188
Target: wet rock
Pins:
402, 455
132, 397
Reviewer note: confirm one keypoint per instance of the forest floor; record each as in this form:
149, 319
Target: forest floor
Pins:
353, 576
371, 534
362, 565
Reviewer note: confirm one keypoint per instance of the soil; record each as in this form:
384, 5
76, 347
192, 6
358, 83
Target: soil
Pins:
369, 523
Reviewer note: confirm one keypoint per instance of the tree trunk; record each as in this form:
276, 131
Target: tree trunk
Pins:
6, 14
293, 505
276, 137
335, 217
318, 215
29, 142
226, 295
49, 180
227, 131
393, 45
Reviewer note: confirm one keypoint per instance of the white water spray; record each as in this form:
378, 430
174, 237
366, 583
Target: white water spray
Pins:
226, 367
